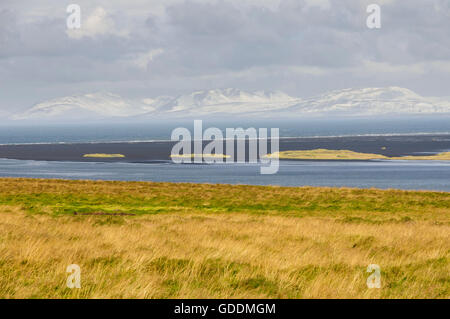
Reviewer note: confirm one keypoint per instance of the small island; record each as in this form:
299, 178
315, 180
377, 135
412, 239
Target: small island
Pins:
100, 155
325, 154
199, 155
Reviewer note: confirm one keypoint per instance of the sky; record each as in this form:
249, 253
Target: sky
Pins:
139, 48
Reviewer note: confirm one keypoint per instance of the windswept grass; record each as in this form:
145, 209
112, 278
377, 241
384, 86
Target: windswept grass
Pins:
162, 240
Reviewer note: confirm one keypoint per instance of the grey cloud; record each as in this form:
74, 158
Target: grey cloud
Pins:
221, 43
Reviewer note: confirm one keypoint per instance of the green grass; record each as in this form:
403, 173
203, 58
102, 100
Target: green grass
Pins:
69, 197
220, 241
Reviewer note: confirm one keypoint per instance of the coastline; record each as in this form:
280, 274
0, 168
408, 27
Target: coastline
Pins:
12, 179
386, 145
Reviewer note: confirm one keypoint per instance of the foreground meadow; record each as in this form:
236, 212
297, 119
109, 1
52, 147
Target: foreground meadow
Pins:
162, 240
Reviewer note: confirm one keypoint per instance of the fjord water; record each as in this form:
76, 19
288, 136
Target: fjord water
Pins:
426, 175
161, 130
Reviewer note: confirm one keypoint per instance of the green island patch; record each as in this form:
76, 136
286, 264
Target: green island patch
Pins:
100, 155
325, 154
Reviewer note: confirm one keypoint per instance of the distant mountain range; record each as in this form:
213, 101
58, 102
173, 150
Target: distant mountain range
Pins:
220, 103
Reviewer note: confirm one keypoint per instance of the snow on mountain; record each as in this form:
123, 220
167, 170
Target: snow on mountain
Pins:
90, 106
233, 102
229, 101
370, 101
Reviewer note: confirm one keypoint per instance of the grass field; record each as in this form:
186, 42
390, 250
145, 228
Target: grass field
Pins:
324, 154
162, 240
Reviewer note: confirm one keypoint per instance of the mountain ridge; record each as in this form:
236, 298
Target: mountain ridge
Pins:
235, 102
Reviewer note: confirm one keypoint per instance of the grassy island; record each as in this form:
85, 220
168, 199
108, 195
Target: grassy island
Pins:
325, 154
100, 155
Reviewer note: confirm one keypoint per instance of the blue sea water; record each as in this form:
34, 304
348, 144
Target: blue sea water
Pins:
419, 175
157, 130
429, 175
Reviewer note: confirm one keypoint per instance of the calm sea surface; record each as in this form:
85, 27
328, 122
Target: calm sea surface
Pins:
161, 130
379, 174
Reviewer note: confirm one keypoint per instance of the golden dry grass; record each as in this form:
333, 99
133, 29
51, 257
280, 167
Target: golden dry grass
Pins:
445, 156
211, 241
101, 155
324, 154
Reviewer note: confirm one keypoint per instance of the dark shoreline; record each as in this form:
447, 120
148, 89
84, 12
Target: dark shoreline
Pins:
159, 151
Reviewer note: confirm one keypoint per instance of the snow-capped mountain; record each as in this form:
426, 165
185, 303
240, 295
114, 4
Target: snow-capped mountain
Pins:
90, 106
227, 101
235, 102
370, 101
